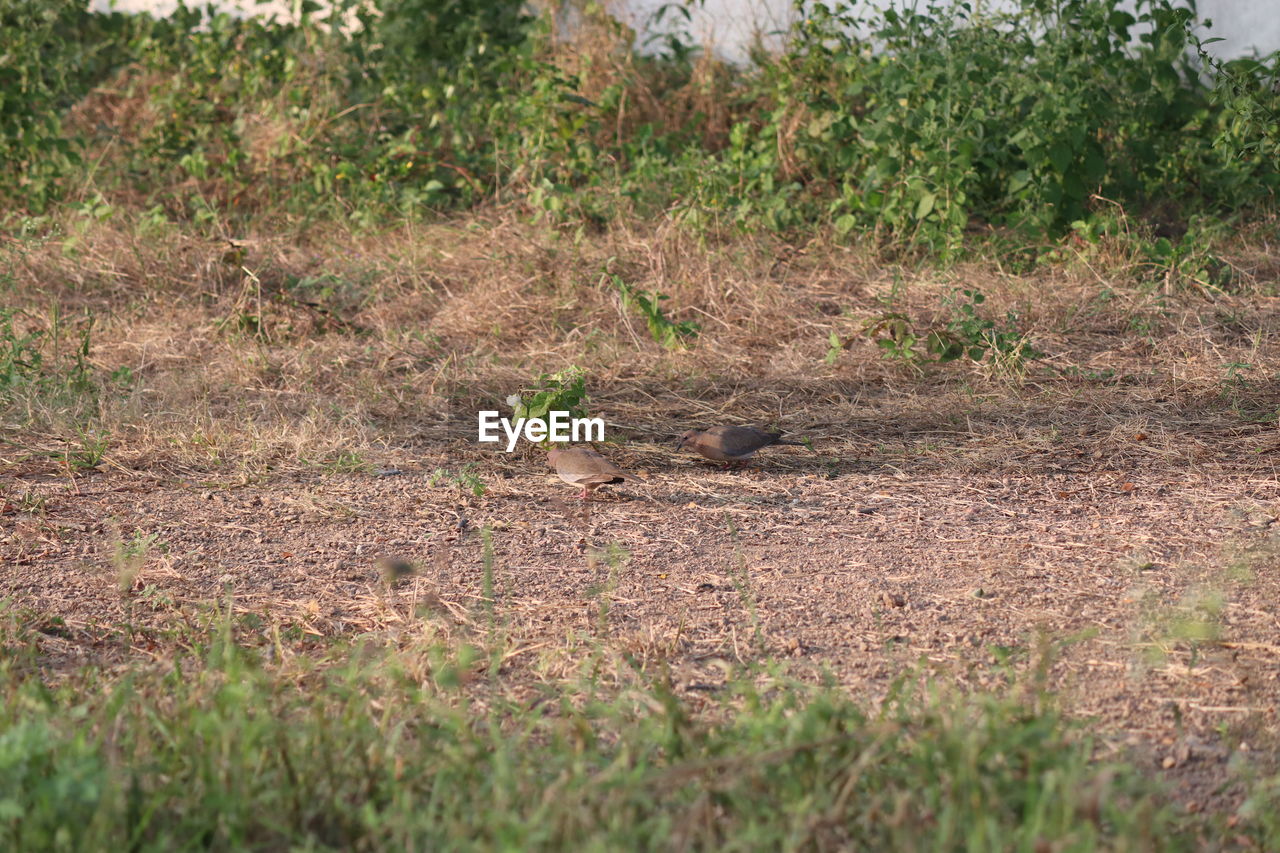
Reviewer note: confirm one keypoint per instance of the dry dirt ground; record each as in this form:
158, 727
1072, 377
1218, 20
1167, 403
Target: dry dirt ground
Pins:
1117, 523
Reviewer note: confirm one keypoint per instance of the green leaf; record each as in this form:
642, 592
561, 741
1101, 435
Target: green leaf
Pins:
1060, 157
925, 207
1018, 180
845, 224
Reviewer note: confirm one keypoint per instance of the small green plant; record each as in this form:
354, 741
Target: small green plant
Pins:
1190, 626
968, 333
132, 554
1234, 371
646, 303
33, 357
28, 503
894, 335
345, 462
1198, 618
90, 453
156, 598
466, 478
1185, 263
123, 377
835, 346
35, 361
96, 209
615, 558
140, 545
564, 391
20, 354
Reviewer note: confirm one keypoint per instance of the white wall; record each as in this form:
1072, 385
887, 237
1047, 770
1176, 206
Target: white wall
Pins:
1246, 25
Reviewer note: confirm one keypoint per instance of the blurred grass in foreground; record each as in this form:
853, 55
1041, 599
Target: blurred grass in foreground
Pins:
365, 746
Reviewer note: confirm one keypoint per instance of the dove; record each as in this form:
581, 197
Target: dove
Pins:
582, 466
730, 444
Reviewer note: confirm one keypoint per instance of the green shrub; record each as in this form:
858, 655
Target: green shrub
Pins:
51, 52
916, 128
442, 76
915, 124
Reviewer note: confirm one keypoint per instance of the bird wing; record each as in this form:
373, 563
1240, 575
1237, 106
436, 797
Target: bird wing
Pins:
742, 441
585, 467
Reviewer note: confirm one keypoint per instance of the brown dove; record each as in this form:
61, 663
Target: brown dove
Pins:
730, 444
582, 466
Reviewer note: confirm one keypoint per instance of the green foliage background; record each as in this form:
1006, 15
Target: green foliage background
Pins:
918, 129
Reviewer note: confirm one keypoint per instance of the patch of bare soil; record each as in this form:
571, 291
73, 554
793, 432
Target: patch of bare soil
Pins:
1146, 556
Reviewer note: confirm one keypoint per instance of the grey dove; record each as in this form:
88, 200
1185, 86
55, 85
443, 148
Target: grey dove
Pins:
730, 444
582, 466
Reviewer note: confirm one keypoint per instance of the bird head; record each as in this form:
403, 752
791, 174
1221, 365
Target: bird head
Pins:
687, 439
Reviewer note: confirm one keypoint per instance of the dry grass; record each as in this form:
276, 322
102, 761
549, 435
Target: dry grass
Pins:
594, 47
291, 348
